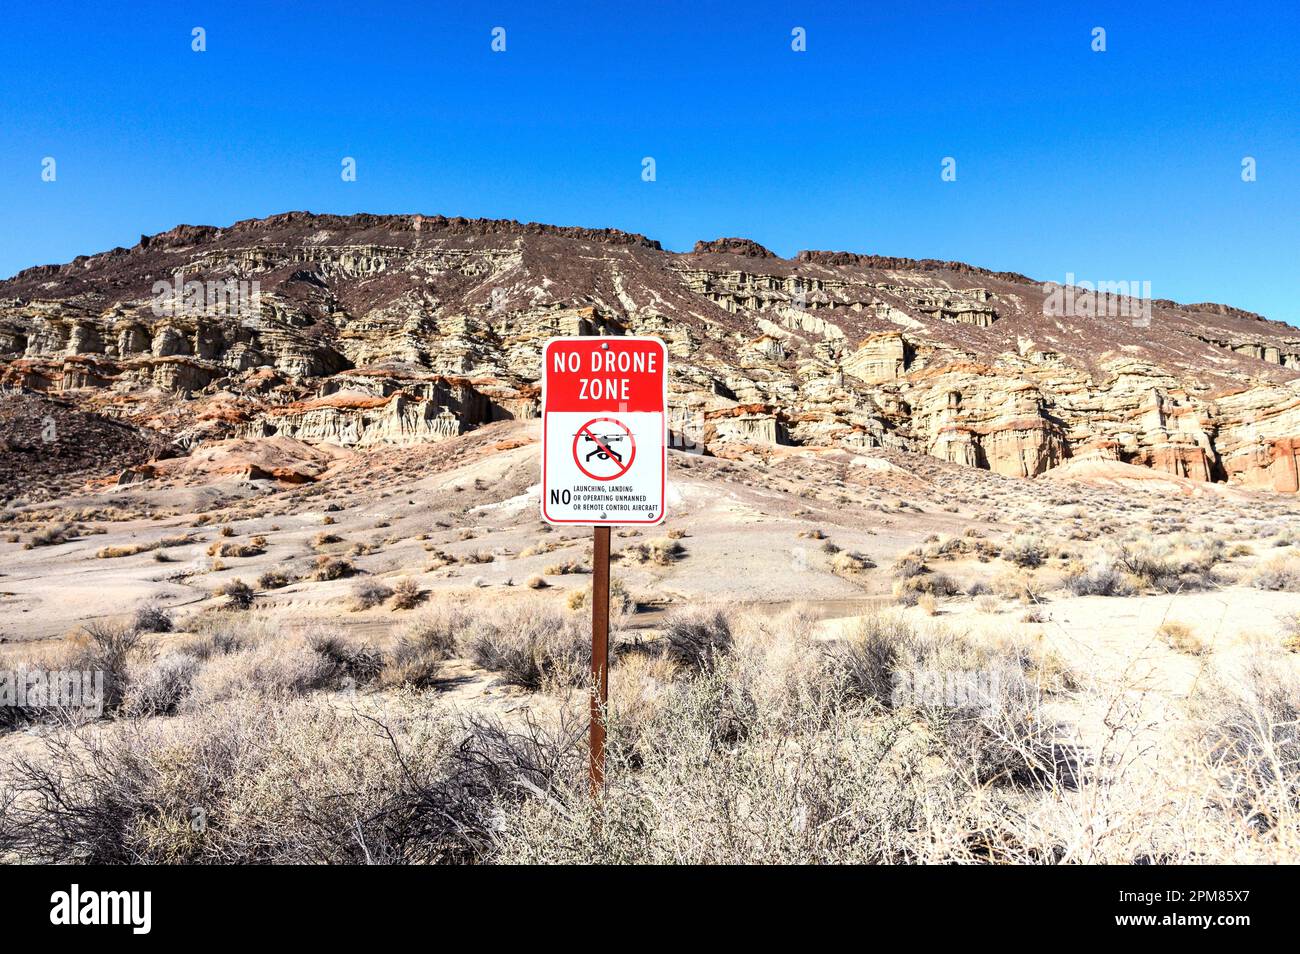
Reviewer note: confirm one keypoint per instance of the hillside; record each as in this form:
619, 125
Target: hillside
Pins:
366, 330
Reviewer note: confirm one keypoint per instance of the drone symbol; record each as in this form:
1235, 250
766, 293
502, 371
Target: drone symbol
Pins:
603, 451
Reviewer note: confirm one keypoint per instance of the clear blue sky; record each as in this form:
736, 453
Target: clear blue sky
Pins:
1117, 165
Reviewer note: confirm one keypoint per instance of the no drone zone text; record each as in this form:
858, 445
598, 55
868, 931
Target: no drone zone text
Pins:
615, 367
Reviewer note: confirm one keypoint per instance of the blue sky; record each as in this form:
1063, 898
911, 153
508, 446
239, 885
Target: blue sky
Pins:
1122, 165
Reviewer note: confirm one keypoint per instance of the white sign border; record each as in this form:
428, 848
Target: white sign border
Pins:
663, 440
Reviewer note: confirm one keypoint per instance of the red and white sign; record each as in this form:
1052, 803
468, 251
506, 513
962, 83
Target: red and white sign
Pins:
604, 431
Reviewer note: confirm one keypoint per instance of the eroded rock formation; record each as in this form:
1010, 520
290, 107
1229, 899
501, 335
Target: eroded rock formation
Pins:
361, 330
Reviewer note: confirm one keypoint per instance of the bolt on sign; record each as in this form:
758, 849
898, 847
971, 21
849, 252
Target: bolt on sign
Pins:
604, 431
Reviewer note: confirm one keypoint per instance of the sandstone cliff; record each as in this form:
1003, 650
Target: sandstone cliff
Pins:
366, 329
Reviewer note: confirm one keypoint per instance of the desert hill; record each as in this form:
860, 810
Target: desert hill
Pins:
371, 330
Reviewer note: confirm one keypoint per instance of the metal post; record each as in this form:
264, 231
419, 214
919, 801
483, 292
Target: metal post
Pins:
599, 655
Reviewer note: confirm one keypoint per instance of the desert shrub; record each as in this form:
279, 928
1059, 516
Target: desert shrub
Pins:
866, 659
566, 568
666, 550
329, 568
238, 594
951, 547
908, 566
1102, 579
759, 758
109, 553
110, 648
160, 687
279, 782
1277, 574
848, 562
407, 594
696, 636
979, 588
1169, 568
368, 593
634, 553
410, 664
354, 663
15, 713
279, 668
909, 590
682, 797
439, 627
1249, 731
221, 632
1018, 585
987, 603
274, 580
425, 644
529, 643
621, 601
981, 701
1027, 552
1290, 632
640, 684
152, 618
51, 535
478, 556
221, 548
537, 582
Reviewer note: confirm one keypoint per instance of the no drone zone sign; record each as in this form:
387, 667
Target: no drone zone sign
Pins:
604, 431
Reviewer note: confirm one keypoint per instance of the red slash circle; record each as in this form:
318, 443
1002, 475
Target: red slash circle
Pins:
606, 447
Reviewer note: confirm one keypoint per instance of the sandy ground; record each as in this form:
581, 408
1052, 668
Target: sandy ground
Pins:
758, 530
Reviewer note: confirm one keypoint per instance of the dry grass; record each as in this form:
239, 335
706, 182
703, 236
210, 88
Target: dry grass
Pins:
51, 535
109, 553
745, 741
1019, 585
849, 563
1181, 638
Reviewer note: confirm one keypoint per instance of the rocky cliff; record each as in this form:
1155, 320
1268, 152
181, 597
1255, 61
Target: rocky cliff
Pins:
369, 329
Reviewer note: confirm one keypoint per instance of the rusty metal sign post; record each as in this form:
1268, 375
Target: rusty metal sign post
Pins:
599, 655
604, 464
